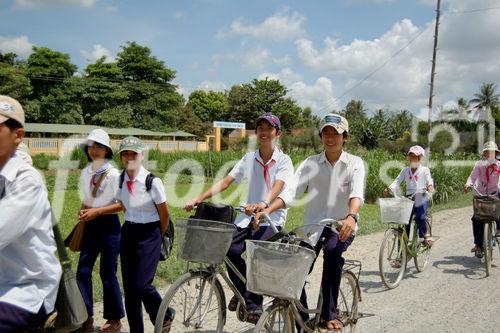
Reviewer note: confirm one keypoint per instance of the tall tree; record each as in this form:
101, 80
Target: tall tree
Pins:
208, 106
485, 100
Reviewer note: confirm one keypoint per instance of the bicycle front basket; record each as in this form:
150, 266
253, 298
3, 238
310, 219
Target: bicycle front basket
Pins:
395, 210
203, 241
277, 269
486, 208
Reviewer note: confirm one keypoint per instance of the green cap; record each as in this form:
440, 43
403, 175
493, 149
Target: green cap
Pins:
131, 143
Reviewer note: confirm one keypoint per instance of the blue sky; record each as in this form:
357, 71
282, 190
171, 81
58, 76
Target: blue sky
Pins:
319, 49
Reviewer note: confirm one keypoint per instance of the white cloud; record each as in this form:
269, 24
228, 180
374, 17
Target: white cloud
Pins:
255, 59
19, 45
468, 55
283, 61
178, 15
319, 96
283, 25
212, 85
39, 3
97, 52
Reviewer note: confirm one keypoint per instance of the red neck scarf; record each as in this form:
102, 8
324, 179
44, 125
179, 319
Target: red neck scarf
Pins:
266, 171
490, 170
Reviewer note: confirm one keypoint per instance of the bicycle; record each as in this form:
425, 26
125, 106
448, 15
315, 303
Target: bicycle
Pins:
487, 210
294, 255
398, 247
197, 296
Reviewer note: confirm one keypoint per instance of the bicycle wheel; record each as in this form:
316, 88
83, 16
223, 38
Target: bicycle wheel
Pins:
423, 252
487, 246
278, 318
392, 258
199, 303
347, 305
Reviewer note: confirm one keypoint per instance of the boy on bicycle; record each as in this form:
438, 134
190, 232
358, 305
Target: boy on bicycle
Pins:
418, 181
334, 181
486, 177
266, 170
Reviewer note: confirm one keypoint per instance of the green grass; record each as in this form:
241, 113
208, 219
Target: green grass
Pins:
169, 270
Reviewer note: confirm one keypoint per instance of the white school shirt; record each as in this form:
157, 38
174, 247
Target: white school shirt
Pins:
415, 182
140, 205
329, 189
107, 192
250, 168
29, 269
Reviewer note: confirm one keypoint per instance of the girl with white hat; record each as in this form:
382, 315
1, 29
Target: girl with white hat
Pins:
486, 176
99, 188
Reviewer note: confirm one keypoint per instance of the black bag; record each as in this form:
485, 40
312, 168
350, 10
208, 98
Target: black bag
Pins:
215, 212
71, 310
167, 241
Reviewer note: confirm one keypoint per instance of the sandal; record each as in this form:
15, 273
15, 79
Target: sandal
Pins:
396, 263
233, 304
167, 322
253, 316
429, 241
334, 325
479, 252
111, 326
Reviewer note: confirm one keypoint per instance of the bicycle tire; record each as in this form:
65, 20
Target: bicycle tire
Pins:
423, 252
393, 241
487, 247
199, 280
347, 306
277, 318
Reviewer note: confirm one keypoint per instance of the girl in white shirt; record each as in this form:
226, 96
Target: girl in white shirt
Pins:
99, 185
419, 182
146, 221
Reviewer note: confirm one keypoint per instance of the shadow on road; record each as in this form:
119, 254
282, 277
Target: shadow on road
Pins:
470, 267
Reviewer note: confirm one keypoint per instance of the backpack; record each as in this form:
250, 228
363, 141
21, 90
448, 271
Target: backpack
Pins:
215, 212
167, 242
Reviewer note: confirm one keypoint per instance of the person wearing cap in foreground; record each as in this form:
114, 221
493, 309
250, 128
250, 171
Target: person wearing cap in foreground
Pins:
334, 182
29, 270
266, 170
486, 177
146, 220
101, 236
419, 183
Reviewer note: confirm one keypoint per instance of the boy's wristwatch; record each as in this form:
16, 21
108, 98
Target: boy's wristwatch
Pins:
265, 202
354, 216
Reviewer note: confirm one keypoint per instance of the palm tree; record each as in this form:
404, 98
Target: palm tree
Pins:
485, 100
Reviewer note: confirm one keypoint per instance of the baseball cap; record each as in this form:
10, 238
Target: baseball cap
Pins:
131, 143
417, 150
11, 109
490, 146
271, 119
336, 121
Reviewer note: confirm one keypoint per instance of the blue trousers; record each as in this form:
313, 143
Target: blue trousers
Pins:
140, 252
253, 301
333, 263
101, 237
420, 214
14, 319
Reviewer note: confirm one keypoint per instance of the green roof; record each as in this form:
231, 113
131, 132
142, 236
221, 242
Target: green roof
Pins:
85, 129
180, 134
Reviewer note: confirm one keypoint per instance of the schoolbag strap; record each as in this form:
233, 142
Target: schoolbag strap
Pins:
149, 181
122, 179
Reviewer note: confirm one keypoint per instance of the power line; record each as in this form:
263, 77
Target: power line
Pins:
473, 10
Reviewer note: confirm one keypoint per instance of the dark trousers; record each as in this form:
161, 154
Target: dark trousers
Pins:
332, 272
420, 214
478, 230
14, 319
140, 252
101, 236
253, 301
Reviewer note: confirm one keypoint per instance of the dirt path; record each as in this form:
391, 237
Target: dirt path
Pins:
452, 295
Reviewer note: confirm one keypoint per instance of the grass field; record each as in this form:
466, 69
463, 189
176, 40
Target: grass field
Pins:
170, 269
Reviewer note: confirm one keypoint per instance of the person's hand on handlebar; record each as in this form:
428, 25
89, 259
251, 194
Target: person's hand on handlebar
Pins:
260, 217
190, 204
387, 192
348, 228
467, 188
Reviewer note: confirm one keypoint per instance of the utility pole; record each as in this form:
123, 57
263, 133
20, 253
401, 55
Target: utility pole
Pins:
433, 71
